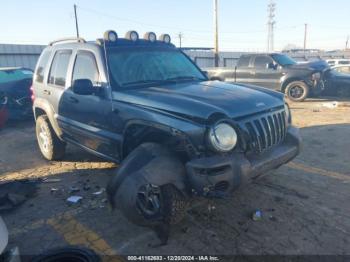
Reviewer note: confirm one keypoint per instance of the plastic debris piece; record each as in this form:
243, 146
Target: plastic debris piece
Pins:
331, 105
257, 215
74, 189
99, 192
52, 180
74, 199
53, 190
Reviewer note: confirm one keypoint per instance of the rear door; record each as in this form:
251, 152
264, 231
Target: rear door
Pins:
86, 118
243, 70
57, 78
265, 75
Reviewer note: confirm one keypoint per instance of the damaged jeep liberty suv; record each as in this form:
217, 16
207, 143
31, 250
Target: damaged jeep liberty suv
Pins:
143, 103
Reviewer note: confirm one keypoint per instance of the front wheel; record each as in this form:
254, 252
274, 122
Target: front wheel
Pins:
147, 188
297, 91
51, 147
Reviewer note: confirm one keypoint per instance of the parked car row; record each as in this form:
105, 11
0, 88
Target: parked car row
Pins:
281, 73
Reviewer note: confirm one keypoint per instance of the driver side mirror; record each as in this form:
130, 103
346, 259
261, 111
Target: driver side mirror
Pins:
271, 66
83, 87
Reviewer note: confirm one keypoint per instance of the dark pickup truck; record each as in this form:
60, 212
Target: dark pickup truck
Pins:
277, 72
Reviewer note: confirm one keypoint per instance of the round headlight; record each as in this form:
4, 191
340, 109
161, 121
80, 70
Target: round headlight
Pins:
165, 38
150, 36
110, 35
132, 35
288, 114
223, 137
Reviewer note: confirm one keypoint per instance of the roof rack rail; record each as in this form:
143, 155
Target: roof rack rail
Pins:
68, 39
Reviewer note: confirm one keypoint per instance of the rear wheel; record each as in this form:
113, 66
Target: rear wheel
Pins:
297, 91
51, 147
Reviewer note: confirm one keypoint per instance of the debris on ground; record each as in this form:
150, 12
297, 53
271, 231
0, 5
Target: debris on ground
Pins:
53, 190
51, 180
74, 189
74, 199
99, 192
257, 215
330, 105
14, 193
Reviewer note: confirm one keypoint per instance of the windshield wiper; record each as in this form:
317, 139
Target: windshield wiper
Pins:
142, 82
185, 78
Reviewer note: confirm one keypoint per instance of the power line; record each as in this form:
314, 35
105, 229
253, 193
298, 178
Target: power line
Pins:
182, 29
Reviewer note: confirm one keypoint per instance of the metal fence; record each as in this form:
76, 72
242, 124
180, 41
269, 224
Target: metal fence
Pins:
19, 55
27, 56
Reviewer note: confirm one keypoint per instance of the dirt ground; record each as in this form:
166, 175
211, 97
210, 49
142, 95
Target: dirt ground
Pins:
305, 204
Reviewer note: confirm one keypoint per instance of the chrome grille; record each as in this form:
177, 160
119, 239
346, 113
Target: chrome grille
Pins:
266, 131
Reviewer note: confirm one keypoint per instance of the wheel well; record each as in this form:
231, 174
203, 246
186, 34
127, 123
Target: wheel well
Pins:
38, 112
137, 134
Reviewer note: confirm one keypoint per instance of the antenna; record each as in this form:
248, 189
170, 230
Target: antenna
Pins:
271, 25
76, 20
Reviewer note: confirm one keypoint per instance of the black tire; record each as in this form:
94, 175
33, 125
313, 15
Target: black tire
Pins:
135, 195
51, 147
176, 204
297, 91
73, 254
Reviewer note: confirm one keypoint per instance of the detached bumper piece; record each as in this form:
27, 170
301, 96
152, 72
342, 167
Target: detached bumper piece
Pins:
219, 175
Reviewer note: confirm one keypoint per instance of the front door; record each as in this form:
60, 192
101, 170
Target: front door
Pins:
266, 73
86, 118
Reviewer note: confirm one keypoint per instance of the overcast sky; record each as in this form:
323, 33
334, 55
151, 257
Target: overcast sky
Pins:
243, 23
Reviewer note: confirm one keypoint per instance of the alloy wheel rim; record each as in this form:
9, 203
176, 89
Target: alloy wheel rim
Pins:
148, 199
44, 139
296, 91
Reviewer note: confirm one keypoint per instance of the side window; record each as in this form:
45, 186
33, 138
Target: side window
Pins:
243, 61
40, 71
85, 67
261, 61
59, 67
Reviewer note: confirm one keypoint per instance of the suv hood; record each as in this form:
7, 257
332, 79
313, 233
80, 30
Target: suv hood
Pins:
202, 99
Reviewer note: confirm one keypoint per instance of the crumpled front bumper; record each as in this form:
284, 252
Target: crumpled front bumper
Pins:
218, 175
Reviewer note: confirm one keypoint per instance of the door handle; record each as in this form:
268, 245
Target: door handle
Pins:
73, 100
46, 92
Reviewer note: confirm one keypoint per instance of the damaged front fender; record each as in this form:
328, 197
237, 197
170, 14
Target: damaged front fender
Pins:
150, 163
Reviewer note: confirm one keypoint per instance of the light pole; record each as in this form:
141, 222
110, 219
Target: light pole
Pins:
216, 34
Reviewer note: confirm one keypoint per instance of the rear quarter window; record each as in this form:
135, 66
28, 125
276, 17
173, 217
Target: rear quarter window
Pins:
243, 61
41, 66
59, 68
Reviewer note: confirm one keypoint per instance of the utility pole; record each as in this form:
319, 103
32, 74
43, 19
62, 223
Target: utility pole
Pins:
180, 36
305, 38
216, 34
346, 43
271, 25
76, 20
